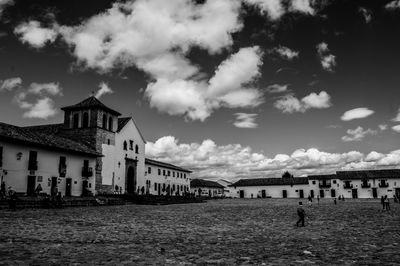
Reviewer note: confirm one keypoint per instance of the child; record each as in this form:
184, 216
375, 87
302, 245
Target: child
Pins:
301, 213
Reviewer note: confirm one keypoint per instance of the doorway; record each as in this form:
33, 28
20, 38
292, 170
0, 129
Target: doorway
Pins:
53, 189
284, 194
333, 193
301, 193
263, 194
159, 189
30, 191
241, 194
375, 192
312, 193
131, 180
321, 193
68, 187
354, 193
84, 188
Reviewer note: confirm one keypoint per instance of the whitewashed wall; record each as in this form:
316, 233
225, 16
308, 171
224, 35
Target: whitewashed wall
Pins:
154, 177
48, 163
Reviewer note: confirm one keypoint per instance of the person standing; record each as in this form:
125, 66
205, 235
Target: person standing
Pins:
301, 213
334, 201
383, 202
318, 199
38, 190
387, 203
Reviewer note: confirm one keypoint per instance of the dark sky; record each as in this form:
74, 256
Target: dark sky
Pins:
362, 37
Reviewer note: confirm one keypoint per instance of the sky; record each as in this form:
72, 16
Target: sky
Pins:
227, 88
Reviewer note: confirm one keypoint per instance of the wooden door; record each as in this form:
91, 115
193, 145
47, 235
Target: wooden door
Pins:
333, 193
301, 192
284, 194
374, 192
354, 193
68, 187
30, 191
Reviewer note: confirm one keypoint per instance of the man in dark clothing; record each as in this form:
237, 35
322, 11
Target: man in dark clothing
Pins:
301, 213
383, 202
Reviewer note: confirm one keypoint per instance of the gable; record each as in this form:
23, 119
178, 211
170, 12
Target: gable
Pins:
128, 127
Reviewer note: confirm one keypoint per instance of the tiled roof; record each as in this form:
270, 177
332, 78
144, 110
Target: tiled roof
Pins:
322, 177
42, 136
204, 183
271, 182
368, 174
166, 165
91, 102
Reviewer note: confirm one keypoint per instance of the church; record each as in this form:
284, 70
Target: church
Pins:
94, 151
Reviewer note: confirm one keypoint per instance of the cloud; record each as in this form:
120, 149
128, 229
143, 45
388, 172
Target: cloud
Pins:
328, 61
286, 53
358, 134
393, 5
290, 104
397, 118
273, 8
396, 128
303, 6
244, 120
104, 89
230, 87
10, 84
367, 14
34, 34
383, 127
277, 88
4, 4
357, 113
42, 106
233, 161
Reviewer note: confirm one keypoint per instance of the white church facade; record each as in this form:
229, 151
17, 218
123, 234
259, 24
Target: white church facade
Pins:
93, 151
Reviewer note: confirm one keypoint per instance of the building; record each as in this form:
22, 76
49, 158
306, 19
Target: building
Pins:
166, 179
112, 147
206, 188
30, 157
349, 184
229, 190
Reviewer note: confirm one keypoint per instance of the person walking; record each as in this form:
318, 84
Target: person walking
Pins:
387, 203
301, 213
383, 202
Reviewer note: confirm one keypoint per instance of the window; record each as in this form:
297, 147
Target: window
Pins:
159, 171
169, 173
334, 181
105, 121
173, 174
163, 172
62, 168
136, 149
131, 145
184, 175
155, 186
125, 146
32, 165
110, 123
313, 182
85, 122
1, 156
149, 170
108, 142
163, 187
75, 121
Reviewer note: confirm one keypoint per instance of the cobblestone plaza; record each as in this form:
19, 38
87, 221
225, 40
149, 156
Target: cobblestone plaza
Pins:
220, 232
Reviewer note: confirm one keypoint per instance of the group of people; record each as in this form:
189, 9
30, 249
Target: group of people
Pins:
385, 203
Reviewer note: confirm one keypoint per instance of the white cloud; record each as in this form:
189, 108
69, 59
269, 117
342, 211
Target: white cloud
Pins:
358, 134
357, 113
303, 6
286, 52
34, 34
273, 8
233, 161
367, 14
393, 5
328, 61
4, 4
42, 106
277, 88
104, 89
397, 118
244, 120
396, 128
10, 84
291, 104
383, 127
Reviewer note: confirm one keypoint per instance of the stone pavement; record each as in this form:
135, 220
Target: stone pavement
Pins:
220, 232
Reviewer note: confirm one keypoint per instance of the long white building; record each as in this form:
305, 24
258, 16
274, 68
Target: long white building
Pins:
349, 184
94, 149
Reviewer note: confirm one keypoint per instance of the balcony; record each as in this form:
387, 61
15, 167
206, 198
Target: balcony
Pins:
326, 185
32, 165
365, 185
87, 171
347, 186
383, 184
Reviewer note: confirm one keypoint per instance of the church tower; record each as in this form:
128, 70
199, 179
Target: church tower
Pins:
93, 123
